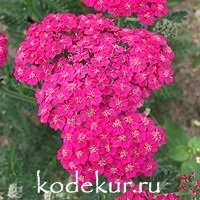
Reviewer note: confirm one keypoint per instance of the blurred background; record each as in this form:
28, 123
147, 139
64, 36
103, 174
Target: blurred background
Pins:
27, 146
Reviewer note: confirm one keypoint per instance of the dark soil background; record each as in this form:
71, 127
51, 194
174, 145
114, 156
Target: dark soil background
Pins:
186, 110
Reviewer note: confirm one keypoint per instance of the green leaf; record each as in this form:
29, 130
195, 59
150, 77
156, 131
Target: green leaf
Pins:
166, 93
178, 153
176, 136
191, 166
194, 142
178, 17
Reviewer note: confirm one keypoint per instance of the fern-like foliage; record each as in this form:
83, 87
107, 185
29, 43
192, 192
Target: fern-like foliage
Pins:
178, 17
15, 22
183, 47
165, 94
17, 15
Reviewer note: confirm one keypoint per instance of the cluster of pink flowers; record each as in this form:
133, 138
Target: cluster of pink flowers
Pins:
146, 10
90, 49
135, 194
118, 147
190, 185
170, 196
186, 182
94, 77
3, 49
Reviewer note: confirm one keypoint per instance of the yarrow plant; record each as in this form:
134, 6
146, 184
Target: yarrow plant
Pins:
92, 80
94, 77
3, 49
146, 10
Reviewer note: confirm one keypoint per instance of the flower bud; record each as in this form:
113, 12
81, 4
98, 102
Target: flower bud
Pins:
193, 191
166, 27
184, 178
182, 187
192, 176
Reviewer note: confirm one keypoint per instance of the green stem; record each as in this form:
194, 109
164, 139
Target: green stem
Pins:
51, 165
70, 195
131, 19
150, 115
16, 95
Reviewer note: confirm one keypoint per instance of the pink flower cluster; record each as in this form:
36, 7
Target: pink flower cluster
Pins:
120, 147
135, 194
94, 77
3, 49
126, 63
146, 10
171, 196
190, 185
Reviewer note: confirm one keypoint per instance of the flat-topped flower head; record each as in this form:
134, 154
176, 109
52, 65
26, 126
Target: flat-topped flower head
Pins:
87, 62
113, 152
146, 10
